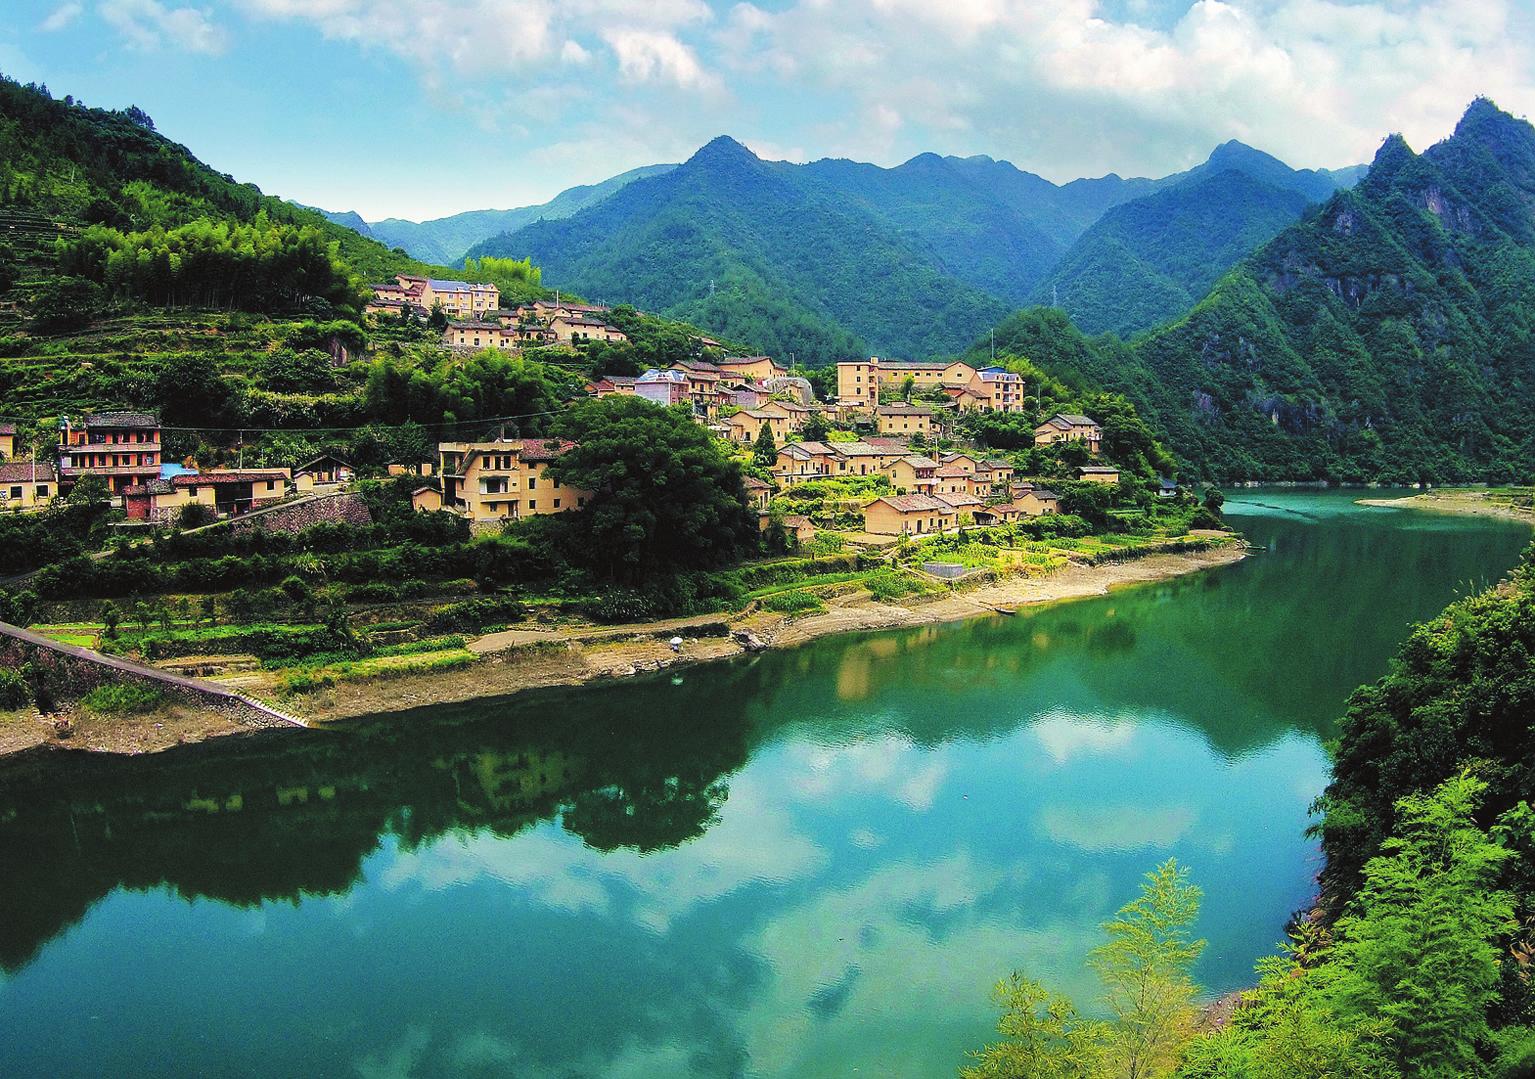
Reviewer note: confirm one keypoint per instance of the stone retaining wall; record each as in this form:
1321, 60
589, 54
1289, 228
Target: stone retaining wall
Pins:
63, 673
289, 517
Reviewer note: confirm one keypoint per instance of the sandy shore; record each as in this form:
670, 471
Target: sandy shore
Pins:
1466, 502
531, 658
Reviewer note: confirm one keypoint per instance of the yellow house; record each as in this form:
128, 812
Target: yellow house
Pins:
901, 419
426, 499
223, 492
993, 389
1069, 427
795, 414
907, 515
472, 335
1037, 502
859, 381
746, 426
504, 480
740, 369
917, 475
578, 329
1098, 474
7, 442
758, 492
27, 485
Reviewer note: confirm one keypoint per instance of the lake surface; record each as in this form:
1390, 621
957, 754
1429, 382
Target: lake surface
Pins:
812, 862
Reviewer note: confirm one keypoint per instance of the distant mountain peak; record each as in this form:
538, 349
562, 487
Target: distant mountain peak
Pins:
722, 149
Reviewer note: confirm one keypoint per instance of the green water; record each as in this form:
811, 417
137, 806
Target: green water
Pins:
807, 863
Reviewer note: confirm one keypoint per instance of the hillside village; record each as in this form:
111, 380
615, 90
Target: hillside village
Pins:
890, 422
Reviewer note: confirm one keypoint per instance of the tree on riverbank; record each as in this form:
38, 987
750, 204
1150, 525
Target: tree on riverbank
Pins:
1148, 996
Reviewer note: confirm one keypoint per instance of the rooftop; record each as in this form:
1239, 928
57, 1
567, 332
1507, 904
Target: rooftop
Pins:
1070, 419
915, 503
903, 410
21, 471
120, 419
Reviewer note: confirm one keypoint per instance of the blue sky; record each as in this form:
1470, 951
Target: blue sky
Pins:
428, 108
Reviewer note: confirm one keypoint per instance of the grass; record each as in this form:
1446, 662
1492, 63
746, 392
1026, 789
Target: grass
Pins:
122, 699
794, 603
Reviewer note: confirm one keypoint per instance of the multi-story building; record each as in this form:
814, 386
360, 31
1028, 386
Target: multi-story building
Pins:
908, 515
463, 300
859, 381
579, 329
746, 426
123, 448
704, 384
740, 369
996, 389
665, 388
1069, 427
479, 334
502, 480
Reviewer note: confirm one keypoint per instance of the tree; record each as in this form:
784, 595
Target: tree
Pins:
437, 319
1419, 946
1046, 1037
111, 618
816, 428
1148, 998
765, 449
662, 494
1145, 971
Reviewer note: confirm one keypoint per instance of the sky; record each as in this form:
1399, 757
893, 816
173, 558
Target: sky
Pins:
428, 108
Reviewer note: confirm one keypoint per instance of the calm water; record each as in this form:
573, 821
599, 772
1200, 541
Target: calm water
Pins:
808, 863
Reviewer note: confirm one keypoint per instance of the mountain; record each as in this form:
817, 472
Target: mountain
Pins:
752, 250
1388, 335
838, 252
348, 219
98, 166
1148, 260
445, 240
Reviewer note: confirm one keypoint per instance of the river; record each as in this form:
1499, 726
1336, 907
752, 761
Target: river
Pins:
806, 863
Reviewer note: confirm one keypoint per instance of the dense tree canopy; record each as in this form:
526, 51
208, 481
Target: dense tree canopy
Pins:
665, 497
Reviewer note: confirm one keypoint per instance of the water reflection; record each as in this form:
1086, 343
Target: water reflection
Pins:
805, 863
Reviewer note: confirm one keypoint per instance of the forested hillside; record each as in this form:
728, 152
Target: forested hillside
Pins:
1387, 336
1149, 260
735, 244
904, 259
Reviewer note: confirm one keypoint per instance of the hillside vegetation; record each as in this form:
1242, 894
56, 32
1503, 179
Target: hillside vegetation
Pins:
1387, 336
836, 257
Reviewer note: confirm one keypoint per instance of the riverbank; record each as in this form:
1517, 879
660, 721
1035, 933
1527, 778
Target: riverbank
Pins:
531, 658
1509, 503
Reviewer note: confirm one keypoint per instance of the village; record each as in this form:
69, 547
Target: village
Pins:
890, 422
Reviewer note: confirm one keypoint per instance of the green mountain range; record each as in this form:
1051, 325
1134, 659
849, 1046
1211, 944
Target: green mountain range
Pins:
837, 257
1150, 259
1388, 335
445, 240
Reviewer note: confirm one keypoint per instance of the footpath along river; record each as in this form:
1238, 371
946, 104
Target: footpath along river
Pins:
812, 862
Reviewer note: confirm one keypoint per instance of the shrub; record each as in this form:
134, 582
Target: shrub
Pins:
794, 603
14, 690
471, 615
889, 584
195, 515
123, 698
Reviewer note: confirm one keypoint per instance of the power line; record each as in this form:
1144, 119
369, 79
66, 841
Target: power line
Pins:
366, 426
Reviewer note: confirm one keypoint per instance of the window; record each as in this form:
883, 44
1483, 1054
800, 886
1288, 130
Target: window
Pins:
532, 503
556, 503
532, 482
42, 490
15, 492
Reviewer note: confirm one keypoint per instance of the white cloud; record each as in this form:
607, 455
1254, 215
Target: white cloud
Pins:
63, 16
151, 25
652, 56
1068, 89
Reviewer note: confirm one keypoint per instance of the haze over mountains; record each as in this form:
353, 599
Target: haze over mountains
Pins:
837, 257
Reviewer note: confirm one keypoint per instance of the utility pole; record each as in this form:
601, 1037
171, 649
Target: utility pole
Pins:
993, 344
711, 288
